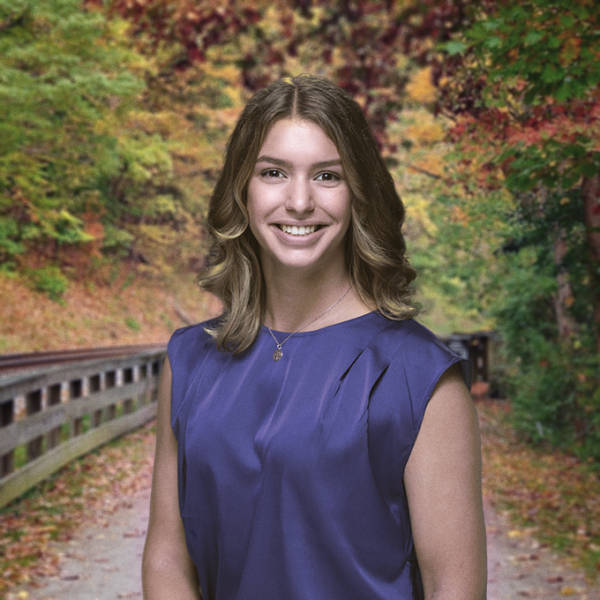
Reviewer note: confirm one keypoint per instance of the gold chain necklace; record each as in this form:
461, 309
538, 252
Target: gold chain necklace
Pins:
278, 353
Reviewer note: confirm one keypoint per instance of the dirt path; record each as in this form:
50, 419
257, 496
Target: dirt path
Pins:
104, 563
99, 563
102, 560
518, 567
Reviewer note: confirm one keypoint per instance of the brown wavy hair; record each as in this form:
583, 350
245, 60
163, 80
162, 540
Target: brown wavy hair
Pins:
375, 247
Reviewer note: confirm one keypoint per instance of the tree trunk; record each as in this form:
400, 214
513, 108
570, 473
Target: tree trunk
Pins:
591, 203
564, 297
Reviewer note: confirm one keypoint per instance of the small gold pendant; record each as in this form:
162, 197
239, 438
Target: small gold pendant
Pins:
277, 355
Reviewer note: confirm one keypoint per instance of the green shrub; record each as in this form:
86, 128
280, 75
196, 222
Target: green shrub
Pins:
553, 383
49, 280
132, 324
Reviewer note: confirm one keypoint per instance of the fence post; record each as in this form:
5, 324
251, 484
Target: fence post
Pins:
7, 416
53, 399
76, 392
110, 381
95, 383
33, 403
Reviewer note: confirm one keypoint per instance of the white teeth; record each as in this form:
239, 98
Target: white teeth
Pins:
293, 230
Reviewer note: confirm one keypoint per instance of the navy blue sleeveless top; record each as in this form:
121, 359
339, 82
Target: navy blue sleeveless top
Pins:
290, 473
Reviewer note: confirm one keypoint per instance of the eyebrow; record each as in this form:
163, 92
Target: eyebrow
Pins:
284, 163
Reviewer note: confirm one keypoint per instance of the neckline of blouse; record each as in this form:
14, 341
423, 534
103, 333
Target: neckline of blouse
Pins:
351, 321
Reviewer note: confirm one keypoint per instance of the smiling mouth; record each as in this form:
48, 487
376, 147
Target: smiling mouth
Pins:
298, 231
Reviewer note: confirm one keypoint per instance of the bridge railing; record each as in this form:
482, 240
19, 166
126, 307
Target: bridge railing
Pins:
50, 417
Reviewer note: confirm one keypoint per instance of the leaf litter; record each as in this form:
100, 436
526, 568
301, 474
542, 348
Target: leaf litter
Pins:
88, 490
546, 493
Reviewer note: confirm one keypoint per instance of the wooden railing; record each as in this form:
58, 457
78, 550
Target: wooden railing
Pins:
50, 417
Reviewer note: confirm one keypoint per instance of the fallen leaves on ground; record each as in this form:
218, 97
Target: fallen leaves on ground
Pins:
90, 489
545, 492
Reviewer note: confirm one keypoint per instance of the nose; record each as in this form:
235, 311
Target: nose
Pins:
299, 197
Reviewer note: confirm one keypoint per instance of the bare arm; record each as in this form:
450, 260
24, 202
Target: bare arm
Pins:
443, 486
167, 570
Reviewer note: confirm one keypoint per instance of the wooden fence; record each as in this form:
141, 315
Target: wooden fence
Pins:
479, 348
48, 418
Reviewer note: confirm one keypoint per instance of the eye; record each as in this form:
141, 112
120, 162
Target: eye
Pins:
272, 174
328, 176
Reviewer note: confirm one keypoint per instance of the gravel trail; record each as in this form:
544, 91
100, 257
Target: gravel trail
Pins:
99, 563
519, 567
103, 563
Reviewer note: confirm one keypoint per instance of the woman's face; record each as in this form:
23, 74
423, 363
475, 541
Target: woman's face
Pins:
298, 199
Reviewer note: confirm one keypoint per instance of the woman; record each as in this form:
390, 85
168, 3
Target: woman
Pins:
314, 442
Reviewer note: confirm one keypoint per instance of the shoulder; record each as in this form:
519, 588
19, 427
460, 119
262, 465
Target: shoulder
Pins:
419, 336
420, 354
413, 360
189, 344
422, 344
188, 350
408, 342
394, 329
190, 337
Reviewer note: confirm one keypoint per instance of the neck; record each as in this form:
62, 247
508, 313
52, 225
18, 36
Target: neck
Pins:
293, 301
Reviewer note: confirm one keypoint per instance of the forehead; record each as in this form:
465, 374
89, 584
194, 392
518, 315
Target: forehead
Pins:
298, 138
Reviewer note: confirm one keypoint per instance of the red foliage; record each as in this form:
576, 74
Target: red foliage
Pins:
370, 51
196, 26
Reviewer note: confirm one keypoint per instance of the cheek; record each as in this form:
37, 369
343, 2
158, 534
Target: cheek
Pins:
258, 197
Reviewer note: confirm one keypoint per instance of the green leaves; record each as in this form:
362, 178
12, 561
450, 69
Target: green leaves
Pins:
60, 78
555, 165
454, 47
551, 45
10, 243
100, 143
532, 38
50, 281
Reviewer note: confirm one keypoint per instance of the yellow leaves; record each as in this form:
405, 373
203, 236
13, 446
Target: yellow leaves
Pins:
161, 122
228, 73
418, 215
425, 132
317, 15
420, 88
271, 22
420, 127
567, 590
515, 533
227, 117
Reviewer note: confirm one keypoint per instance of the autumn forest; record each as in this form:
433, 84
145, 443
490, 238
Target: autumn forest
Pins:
114, 116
